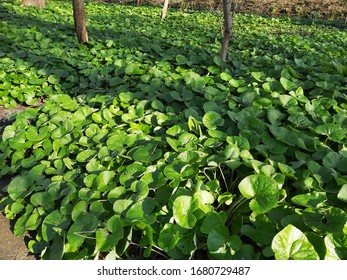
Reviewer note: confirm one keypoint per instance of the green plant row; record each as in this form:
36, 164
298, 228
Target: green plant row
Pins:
157, 150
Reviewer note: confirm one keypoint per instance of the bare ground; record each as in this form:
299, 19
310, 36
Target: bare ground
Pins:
320, 9
315, 9
11, 246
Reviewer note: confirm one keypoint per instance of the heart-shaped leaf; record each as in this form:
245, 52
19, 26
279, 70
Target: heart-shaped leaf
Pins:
212, 120
84, 226
291, 243
336, 246
263, 191
183, 211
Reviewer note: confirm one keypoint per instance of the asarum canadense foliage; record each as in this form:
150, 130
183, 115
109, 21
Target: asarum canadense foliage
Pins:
149, 146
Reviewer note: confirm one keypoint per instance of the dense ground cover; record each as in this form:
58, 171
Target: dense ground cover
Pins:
149, 146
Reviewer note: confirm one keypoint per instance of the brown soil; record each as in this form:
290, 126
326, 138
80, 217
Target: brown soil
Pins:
11, 246
4, 113
315, 9
320, 9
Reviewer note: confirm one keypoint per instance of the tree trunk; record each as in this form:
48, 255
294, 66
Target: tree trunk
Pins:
35, 3
79, 15
164, 11
228, 24
137, 2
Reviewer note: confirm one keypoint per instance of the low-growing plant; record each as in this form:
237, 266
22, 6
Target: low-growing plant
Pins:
152, 147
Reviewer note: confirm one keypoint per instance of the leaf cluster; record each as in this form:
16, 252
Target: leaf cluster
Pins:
151, 146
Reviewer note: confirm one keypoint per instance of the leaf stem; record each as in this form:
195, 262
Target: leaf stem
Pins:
233, 208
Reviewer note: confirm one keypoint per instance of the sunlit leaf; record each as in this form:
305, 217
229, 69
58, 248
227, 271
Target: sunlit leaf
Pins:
291, 243
262, 190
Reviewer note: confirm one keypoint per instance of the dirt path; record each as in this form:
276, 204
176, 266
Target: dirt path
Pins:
11, 246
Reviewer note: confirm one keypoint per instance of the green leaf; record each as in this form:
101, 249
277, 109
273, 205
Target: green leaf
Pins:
13, 209
85, 155
117, 142
104, 179
272, 85
142, 211
332, 160
147, 153
79, 209
154, 180
314, 199
53, 79
333, 131
94, 166
115, 81
81, 115
128, 96
275, 116
179, 170
288, 171
54, 251
8, 133
263, 191
97, 117
19, 186
33, 134
20, 225
84, 227
54, 224
288, 101
106, 240
140, 190
291, 243
130, 174
217, 244
225, 198
121, 205
133, 69
212, 120
183, 211
261, 231
215, 221
239, 141
218, 61
287, 85
325, 220
225, 76
336, 246
284, 135
33, 222
300, 121
236, 83
205, 199
181, 59
64, 100
246, 121
168, 237
342, 195
44, 199
259, 76
19, 141
114, 225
